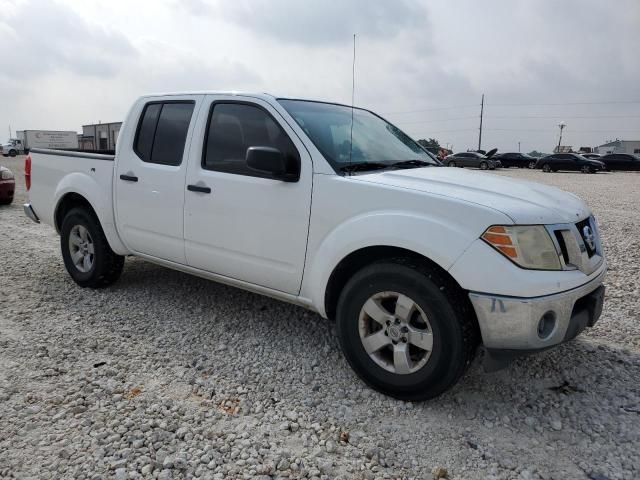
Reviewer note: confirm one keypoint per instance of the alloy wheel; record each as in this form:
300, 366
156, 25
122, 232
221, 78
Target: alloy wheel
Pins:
81, 248
395, 332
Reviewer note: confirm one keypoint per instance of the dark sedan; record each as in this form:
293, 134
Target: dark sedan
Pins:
470, 159
569, 161
621, 161
515, 159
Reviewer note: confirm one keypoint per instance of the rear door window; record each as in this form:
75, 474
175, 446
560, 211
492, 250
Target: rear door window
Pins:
162, 132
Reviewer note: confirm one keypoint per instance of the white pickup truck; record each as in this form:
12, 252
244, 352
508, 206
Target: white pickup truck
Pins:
339, 211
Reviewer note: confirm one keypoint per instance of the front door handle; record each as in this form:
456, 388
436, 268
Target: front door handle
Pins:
129, 178
198, 188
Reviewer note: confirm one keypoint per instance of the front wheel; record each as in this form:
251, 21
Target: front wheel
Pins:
484, 165
587, 169
532, 165
12, 153
86, 253
451, 164
406, 330
546, 168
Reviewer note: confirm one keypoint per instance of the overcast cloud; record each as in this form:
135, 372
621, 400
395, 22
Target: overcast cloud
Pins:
424, 65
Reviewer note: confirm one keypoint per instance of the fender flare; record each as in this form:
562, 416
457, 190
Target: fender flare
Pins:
437, 238
85, 186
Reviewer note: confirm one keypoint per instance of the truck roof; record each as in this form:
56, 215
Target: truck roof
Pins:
264, 96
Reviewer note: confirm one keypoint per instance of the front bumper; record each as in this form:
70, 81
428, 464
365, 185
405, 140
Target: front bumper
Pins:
516, 324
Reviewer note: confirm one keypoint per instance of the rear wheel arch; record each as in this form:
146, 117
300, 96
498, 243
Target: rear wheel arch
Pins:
68, 202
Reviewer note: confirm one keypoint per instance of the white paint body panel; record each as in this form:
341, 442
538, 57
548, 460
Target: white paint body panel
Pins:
248, 228
150, 211
285, 239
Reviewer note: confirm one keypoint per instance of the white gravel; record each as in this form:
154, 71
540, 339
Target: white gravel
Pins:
170, 376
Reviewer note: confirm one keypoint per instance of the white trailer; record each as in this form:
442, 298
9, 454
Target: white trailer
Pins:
58, 140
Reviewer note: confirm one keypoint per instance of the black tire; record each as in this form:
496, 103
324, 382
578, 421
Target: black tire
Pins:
106, 264
484, 166
452, 324
532, 165
451, 164
546, 168
12, 153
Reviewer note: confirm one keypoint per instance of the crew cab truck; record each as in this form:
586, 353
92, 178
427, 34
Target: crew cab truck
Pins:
339, 211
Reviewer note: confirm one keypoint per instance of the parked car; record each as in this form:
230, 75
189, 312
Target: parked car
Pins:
393, 248
515, 159
569, 161
621, 161
470, 159
7, 186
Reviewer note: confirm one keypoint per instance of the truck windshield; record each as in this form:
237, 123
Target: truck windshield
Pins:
376, 143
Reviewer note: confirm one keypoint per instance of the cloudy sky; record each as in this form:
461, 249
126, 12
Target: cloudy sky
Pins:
422, 64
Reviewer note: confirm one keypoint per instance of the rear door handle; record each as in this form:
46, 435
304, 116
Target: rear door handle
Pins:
129, 178
198, 188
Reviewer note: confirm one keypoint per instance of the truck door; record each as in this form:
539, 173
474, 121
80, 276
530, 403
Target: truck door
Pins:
239, 223
150, 176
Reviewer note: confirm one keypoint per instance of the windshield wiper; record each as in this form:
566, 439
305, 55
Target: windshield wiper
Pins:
411, 164
363, 166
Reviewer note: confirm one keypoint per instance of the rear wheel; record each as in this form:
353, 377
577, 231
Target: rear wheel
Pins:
406, 330
86, 253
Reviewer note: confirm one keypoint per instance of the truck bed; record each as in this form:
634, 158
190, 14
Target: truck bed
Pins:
54, 173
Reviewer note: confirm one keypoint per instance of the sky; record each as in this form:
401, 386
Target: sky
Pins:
423, 65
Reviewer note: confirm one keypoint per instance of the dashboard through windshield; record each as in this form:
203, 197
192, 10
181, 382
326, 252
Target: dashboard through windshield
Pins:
375, 141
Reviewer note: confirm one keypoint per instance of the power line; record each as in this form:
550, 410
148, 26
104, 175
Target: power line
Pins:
474, 105
452, 107
436, 120
612, 102
565, 116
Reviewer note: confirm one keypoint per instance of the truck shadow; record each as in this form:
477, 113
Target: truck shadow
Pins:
196, 317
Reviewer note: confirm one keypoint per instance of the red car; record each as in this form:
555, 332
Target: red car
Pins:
7, 186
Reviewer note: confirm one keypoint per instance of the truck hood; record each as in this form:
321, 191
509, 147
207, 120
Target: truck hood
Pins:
523, 201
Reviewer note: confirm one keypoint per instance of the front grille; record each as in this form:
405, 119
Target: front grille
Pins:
563, 246
588, 235
578, 245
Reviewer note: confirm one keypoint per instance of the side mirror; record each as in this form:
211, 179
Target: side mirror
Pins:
271, 161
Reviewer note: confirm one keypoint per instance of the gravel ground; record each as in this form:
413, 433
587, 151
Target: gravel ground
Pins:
165, 375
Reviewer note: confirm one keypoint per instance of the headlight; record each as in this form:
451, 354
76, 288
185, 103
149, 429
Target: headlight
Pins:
528, 246
6, 174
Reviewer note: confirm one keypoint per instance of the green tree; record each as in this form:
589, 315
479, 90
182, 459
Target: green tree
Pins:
432, 144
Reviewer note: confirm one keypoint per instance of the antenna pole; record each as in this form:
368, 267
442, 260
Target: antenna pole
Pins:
353, 90
481, 113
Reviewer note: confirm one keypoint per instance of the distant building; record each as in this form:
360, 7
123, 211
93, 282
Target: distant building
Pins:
620, 146
99, 136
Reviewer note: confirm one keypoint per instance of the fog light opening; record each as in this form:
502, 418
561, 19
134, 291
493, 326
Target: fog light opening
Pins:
546, 325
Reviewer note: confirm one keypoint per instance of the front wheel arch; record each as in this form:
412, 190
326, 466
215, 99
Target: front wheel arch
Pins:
357, 260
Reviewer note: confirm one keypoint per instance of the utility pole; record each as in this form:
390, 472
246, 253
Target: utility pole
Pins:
561, 125
518, 146
10, 135
481, 113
